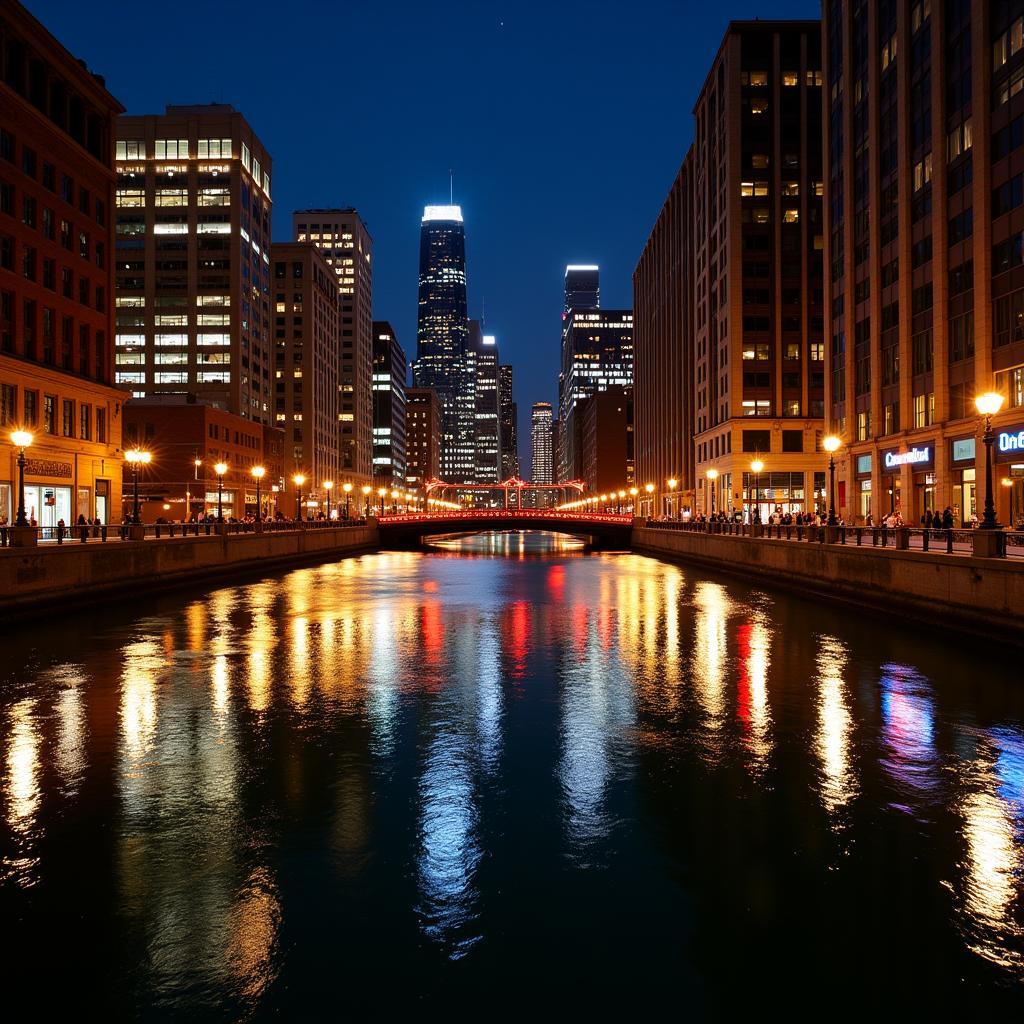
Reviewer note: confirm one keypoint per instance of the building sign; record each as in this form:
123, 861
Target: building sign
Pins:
46, 467
963, 451
863, 463
916, 457
1010, 444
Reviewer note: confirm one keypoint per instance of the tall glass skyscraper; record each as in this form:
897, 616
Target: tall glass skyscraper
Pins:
443, 335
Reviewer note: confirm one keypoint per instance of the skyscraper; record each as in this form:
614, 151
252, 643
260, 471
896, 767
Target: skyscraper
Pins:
483, 359
507, 426
346, 244
442, 338
582, 286
541, 425
389, 408
193, 258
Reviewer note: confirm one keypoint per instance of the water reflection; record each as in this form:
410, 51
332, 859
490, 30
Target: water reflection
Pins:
404, 760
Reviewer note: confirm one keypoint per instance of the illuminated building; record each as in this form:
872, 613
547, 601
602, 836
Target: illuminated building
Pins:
582, 286
924, 252
57, 125
346, 244
606, 439
389, 408
508, 427
757, 256
664, 386
541, 425
422, 436
181, 431
597, 353
442, 338
193, 258
483, 351
306, 364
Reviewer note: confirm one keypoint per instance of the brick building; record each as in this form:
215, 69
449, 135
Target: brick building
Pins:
422, 436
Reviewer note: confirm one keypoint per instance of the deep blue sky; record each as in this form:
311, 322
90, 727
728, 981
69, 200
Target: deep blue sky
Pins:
565, 122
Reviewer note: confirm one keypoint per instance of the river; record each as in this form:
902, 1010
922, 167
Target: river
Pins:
502, 770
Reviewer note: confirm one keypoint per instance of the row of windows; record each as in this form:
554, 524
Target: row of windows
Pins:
46, 221
45, 272
174, 377
39, 412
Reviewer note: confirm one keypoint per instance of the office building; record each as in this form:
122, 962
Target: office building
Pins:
664, 385
57, 127
389, 408
606, 440
541, 428
484, 360
187, 439
508, 428
422, 436
306, 365
582, 287
597, 353
345, 242
442, 338
193, 258
756, 240
925, 273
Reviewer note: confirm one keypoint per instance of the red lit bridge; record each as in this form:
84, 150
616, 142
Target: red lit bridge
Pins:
600, 530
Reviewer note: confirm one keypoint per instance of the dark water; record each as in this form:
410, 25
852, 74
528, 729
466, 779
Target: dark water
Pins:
447, 781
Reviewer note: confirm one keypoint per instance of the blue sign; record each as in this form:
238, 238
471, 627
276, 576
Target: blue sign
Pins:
963, 451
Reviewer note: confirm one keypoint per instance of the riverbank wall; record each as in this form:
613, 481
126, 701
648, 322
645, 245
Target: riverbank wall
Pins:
981, 595
34, 580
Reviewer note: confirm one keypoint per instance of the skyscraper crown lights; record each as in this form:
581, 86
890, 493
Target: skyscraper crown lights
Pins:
450, 213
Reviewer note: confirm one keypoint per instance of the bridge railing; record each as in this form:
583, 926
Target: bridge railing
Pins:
499, 515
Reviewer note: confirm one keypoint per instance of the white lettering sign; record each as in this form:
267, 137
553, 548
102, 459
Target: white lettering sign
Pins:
1011, 442
911, 458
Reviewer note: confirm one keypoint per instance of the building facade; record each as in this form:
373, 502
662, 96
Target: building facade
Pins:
663, 354
442, 338
422, 436
346, 244
582, 286
193, 258
389, 408
507, 425
306, 365
57, 129
187, 438
757, 240
487, 433
925, 273
597, 353
541, 426
606, 440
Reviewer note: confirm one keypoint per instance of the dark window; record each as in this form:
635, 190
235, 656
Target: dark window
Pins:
757, 440
792, 440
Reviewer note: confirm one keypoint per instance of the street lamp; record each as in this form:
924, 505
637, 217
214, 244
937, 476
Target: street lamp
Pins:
298, 480
712, 475
633, 492
394, 503
220, 469
328, 487
672, 484
988, 405
366, 500
136, 457
756, 466
21, 439
382, 493
347, 488
831, 445
258, 473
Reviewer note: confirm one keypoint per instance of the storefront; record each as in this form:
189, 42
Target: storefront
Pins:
965, 480
863, 487
776, 493
920, 458
1009, 481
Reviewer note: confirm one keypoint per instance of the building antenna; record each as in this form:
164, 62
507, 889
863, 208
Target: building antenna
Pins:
483, 314
451, 187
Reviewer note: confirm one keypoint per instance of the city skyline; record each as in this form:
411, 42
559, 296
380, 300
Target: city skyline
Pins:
499, 147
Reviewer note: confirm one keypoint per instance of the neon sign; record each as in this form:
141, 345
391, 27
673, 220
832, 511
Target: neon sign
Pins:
912, 458
1010, 442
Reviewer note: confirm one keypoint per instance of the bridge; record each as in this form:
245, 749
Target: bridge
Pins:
600, 530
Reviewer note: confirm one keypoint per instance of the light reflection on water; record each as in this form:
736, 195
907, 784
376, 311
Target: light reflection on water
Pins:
404, 761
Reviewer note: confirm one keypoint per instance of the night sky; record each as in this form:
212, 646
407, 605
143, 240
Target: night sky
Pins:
564, 123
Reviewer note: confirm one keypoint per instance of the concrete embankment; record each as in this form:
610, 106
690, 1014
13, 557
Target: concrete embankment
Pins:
983, 595
34, 579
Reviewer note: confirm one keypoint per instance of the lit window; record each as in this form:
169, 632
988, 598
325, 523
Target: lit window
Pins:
170, 149
214, 149
130, 197
790, 78
130, 149
790, 216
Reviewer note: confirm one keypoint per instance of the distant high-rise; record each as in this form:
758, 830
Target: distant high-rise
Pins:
507, 424
487, 438
597, 352
582, 286
389, 407
442, 338
422, 434
342, 237
541, 425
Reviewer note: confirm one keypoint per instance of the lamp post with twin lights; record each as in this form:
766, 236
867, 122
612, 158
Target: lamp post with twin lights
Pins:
328, 487
831, 445
755, 467
220, 469
347, 488
366, 500
712, 475
258, 473
298, 480
22, 534
988, 405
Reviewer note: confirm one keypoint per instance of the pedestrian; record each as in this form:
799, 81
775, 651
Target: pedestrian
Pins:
947, 518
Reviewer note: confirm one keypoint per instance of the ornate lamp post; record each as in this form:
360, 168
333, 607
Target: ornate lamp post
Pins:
394, 503
673, 483
220, 469
298, 480
328, 487
366, 500
649, 501
988, 405
382, 493
831, 445
712, 475
756, 466
258, 473
347, 488
136, 457
21, 439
